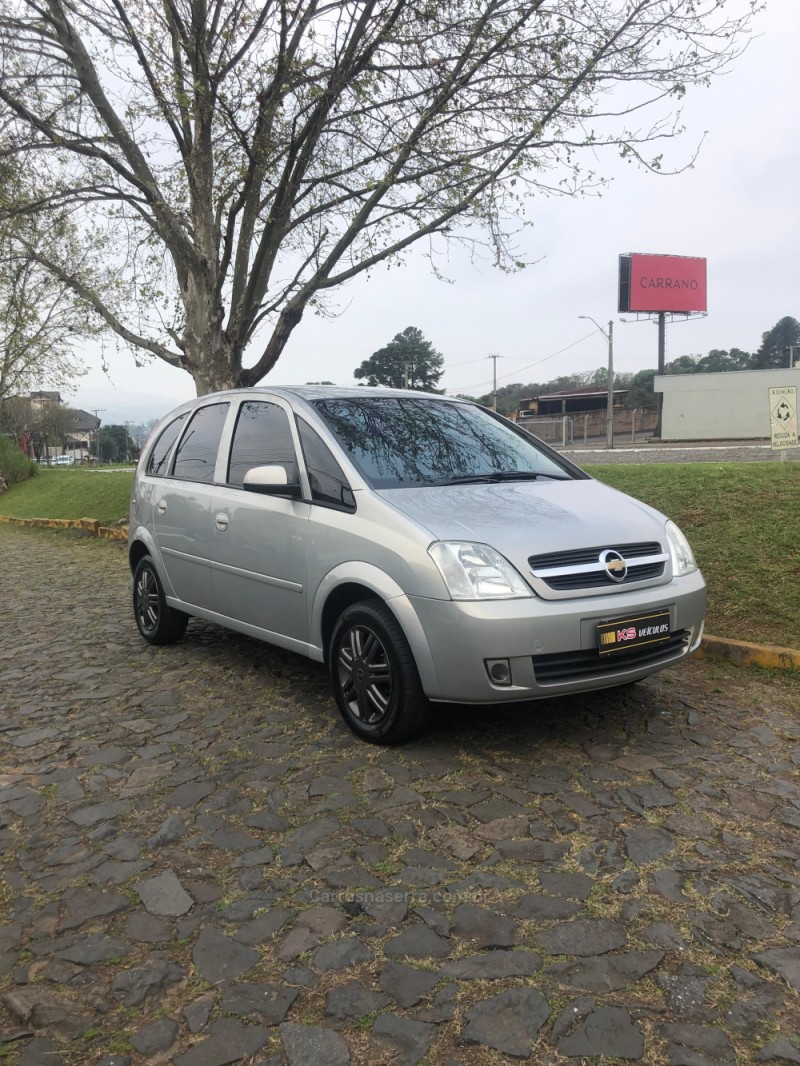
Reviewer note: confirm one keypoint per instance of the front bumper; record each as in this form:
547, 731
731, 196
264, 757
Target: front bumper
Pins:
459, 637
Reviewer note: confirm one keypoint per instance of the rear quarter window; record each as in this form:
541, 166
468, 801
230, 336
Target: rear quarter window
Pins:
196, 458
159, 456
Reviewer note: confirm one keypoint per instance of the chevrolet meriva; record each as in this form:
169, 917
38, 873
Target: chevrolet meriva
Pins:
424, 548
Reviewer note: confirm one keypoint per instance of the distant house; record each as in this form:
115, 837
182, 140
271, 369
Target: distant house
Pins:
69, 435
79, 432
40, 398
572, 402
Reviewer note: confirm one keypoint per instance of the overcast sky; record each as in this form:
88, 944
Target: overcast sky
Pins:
739, 207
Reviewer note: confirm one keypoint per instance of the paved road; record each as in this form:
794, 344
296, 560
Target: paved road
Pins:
724, 452
200, 864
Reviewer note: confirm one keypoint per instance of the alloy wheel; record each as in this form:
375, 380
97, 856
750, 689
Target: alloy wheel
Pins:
148, 602
365, 675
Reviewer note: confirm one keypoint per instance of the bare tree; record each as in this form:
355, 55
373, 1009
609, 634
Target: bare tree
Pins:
39, 325
241, 158
41, 318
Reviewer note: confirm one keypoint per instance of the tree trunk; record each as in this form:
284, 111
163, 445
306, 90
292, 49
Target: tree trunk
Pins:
207, 351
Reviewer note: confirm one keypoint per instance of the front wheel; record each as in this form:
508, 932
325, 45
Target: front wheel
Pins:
157, 622
374, 676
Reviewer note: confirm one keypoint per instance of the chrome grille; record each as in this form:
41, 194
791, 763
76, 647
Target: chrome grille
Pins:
581, 569
584, 665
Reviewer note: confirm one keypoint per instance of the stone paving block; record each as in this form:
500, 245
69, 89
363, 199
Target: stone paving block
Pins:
417, 942
306, 1044
508, 1023
608, 1031
408, 1040
228, 1041
353, 1000
164, 895
406, 984
267, 1004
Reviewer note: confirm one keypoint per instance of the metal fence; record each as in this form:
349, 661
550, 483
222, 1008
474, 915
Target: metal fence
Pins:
563, 430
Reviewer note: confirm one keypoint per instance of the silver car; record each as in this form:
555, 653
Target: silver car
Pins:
424, 548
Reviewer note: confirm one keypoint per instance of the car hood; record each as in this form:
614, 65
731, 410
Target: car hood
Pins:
520, 519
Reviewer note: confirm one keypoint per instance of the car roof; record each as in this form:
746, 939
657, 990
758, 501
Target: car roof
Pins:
337, 392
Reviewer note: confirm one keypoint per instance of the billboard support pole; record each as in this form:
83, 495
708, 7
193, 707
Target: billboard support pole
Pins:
662, 347
610, 396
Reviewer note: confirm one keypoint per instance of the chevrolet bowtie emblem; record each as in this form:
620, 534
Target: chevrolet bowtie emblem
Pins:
614, 564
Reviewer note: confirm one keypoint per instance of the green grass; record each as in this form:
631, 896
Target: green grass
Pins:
743, 522
742, 519
71, 493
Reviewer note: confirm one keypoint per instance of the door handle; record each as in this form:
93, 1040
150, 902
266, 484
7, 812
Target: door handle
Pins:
161, 506
221, 521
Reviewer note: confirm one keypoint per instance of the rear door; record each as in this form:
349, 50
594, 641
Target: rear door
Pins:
182, 507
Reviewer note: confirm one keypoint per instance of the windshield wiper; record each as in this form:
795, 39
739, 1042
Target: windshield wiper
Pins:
496, 476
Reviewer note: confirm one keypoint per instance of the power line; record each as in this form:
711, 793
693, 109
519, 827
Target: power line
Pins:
462, 388
468, 362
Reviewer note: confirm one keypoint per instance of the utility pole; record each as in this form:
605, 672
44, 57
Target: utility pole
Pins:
662, 356
97, 411
494, 359
127, 437
610, 383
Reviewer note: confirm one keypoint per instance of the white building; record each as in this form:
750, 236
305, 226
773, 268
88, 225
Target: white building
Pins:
729, 406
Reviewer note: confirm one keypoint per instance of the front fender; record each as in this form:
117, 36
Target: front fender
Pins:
386, 589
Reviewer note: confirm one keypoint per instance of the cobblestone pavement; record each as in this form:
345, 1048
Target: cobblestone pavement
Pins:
200, 865
726, 452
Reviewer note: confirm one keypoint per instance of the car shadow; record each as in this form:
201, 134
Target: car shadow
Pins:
612, 716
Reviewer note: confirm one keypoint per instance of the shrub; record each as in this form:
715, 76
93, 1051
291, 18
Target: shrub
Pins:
14, 466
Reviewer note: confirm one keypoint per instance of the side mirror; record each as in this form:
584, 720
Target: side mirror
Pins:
270, 481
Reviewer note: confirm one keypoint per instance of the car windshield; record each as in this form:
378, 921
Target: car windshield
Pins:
401, 442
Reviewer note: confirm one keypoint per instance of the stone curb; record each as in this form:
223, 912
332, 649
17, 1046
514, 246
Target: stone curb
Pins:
743, 653
90, 525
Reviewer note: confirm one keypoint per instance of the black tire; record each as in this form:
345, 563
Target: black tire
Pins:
374, 676
157, 622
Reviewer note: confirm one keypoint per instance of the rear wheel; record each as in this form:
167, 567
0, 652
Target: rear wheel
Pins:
374, 676
157, 622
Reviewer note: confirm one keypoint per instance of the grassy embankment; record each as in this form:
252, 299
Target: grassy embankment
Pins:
68, 492
743, 522
742, 519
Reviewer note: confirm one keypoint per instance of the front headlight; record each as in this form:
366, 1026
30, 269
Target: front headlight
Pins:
683, 561
476, 572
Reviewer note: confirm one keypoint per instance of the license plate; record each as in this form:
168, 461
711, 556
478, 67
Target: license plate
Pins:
630, 633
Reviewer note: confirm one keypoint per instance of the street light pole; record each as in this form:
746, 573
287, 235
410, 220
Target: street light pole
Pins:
610, 384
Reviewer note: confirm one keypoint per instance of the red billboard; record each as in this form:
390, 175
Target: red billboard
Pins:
654, 283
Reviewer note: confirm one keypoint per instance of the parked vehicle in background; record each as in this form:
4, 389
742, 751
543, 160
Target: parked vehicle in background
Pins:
424, 548
57, 460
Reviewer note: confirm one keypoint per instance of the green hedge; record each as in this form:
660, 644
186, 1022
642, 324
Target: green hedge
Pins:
14, 467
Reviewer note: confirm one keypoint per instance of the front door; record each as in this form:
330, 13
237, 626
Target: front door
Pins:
259, 544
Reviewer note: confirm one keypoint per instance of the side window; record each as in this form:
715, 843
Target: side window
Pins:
262, 438
197, 451
157, 464
328, 483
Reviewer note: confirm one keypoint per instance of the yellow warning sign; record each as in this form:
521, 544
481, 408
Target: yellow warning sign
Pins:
783, 416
